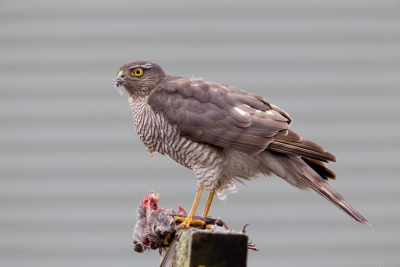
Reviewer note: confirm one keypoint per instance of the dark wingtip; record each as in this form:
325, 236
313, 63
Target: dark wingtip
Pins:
332, 157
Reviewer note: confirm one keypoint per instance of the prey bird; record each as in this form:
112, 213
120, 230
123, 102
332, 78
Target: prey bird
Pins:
223, 134
156, 227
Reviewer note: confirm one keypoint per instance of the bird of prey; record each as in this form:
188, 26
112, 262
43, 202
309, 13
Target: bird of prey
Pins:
223, 134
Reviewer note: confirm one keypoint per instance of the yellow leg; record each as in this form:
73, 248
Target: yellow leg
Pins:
208, 203
189, 219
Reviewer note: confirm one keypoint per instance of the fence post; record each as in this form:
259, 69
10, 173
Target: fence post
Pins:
209, 249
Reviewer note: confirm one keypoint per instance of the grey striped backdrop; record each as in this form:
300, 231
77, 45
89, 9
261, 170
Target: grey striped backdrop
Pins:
73, 170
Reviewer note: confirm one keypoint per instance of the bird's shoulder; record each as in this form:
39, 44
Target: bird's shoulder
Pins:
178, 91
219, 114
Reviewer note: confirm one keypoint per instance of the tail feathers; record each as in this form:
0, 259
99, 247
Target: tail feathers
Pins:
308, 175
320, 168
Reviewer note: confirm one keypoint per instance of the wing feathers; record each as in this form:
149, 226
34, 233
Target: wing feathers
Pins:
218, 114
236, 141
288, 135
291, 143
301, 149
207, 111
320, 168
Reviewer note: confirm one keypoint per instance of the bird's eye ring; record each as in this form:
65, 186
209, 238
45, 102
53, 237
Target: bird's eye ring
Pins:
137, 72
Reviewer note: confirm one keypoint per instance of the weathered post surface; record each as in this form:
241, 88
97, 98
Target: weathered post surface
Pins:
208, 249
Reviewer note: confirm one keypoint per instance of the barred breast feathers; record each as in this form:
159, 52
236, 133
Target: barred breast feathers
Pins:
215, 168
160, 136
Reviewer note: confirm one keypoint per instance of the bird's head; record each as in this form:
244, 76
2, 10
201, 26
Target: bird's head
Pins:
139, 77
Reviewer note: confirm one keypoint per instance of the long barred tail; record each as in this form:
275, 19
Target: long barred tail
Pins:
299, 173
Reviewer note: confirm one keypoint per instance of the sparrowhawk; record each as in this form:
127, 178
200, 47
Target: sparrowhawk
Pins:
225, 135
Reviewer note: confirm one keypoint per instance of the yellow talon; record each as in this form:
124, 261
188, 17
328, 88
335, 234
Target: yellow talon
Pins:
189, 221
186, 222
167, 237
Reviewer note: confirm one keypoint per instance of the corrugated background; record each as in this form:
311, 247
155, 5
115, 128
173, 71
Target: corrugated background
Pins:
73, 170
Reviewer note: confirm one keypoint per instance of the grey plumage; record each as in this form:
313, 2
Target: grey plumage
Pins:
152, 224
222, 133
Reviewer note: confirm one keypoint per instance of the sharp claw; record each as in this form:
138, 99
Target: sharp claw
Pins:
252, 246
244, 228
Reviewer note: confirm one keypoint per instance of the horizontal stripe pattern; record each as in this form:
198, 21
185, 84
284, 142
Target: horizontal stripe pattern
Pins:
73, 170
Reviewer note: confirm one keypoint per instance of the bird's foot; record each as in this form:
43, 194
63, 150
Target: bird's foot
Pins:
189, 221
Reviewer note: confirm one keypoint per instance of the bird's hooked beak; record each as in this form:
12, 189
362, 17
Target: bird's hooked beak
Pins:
120, 79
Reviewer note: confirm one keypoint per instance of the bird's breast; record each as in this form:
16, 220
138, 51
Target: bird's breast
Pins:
158, 135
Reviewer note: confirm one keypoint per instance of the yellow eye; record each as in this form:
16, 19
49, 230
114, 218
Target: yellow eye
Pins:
137, 72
